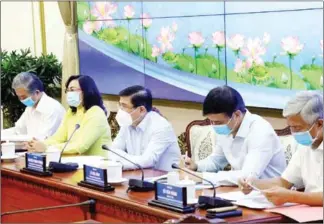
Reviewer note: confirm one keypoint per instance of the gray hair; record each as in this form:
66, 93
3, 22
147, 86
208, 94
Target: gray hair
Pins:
28, 81
309, 104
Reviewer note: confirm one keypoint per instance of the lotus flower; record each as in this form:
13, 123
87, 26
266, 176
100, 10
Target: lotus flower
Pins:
291, 45
103, 9
129, 12
174, 27
90, 26
266, 38
165, 38
240, 66
196, 39
253, 51
236, 42
146, 20
321, 81
253, 61
219, 39
284, 78
155, 51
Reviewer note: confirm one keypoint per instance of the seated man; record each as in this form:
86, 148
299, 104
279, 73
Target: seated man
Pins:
304, 115
145, 137
42, 115
245, 141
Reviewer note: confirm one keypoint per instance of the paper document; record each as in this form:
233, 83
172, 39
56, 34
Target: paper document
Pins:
255, 200
300, 213
16, 138
81, 160
153, 179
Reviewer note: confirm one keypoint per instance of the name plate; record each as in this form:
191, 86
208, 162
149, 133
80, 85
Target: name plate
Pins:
170, 194
94, 175
36, 162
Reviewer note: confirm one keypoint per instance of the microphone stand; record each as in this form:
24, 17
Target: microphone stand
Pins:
134, 184
207, 201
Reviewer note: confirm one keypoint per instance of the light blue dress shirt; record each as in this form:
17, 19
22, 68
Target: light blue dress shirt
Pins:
151, 144
255, 151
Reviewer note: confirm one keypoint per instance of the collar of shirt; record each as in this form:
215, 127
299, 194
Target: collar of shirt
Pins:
142, 126
42, 105
244, 128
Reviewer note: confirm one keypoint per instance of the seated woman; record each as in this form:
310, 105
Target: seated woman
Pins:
86, 111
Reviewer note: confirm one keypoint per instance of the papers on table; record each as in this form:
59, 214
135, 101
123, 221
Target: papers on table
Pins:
81, 160
300, 213
16, 138
153, 179
255, 200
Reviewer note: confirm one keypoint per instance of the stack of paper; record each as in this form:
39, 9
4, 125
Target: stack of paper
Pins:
300, 213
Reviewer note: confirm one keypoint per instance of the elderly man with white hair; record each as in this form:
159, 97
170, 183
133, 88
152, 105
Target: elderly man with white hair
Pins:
42, 115
304, 114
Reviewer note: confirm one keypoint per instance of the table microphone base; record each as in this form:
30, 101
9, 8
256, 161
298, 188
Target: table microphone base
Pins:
140, 186
58, 167
213, 202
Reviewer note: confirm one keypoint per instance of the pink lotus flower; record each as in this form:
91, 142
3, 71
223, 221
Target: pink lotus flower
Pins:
291, 45
103, 9
196, 39
129, 12
253, 51
218, 39
174, 27
240, 66
266, 38
165, 38
90, 26
146, 20
155, 51
236, 42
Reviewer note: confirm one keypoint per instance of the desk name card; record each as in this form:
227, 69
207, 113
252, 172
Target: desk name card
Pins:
95, 175
36, 165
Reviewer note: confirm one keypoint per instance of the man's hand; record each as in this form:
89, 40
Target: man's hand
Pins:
278, 195
244, 185
35, 146
190, 164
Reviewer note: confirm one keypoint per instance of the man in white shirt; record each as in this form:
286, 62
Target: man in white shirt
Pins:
42, 115
304, 115
245, 141
145, 137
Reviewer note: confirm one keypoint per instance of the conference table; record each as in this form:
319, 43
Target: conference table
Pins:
23, 191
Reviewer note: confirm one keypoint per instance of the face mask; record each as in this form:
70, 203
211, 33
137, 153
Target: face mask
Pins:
28, 102
303, 138
123, 118
73, 99
222, 129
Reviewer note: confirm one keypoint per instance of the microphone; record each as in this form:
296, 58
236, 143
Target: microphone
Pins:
134, 184
64, 167
206, 201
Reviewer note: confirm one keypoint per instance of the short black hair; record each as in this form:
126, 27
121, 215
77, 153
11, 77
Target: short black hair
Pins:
223, 99
91, 94
140, 96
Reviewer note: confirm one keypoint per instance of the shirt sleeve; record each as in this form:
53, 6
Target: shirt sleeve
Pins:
158, 143
214, 162
60, 136
20, 127
261, 145
292, 173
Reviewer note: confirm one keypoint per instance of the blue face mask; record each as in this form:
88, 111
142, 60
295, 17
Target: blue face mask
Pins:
73, 99
28, 102
303, 138
222, 129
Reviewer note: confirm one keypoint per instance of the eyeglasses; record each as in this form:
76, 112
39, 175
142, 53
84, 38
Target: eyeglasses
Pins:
72, 90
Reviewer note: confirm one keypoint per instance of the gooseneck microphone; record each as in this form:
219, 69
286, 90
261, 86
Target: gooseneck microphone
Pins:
134, 184
59, 167
206, 201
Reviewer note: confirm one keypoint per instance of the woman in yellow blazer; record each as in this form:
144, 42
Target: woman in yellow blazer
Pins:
86, 111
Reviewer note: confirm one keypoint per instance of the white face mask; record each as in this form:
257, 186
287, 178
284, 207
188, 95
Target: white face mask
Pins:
123, 118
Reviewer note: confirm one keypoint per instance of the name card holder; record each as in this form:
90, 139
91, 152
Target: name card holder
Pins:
36, 165
95, 178
172, 198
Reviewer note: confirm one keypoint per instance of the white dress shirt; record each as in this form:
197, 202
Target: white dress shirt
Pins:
305, 169
152, 143
255, 151
40, 122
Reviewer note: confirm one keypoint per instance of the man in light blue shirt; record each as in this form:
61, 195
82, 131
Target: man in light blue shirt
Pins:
245, 141
145, 137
